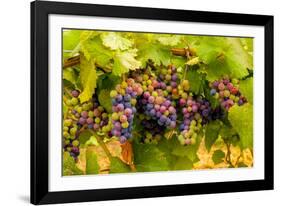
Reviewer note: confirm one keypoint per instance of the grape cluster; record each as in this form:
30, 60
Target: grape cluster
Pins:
91, 115
152, 131
196, 112
155, 103
170, 78
124, 99
159, 108
227, 92
86, 115
71, 143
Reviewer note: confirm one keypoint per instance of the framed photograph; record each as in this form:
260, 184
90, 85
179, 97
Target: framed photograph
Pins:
131, 102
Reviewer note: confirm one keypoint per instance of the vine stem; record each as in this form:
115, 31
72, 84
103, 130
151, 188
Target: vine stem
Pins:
72, 61
102, 144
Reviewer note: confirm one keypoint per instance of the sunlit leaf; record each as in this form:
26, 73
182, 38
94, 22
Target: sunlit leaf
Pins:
115, 41
88, 78
241, 118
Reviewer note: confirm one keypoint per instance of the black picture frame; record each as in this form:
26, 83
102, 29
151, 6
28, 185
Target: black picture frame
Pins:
39, 102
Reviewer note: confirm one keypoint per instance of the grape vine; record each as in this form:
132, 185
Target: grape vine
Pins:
155, 102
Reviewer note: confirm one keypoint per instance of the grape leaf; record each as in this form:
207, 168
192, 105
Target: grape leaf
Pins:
69, 166
84, 37
117, 166
182, 163
148, 157
241, 118
115, 41
247, 43
156, 52
178, 61
246, 89
229, 134
92, 166
238, 58
92, 141
193, 61
196, 81
212, 133
71, 39
96, 50
218, 156
186, 151
125, 61
84, 136
223, 56
88, 78
105, 99
169, 40
70, 75
108, 81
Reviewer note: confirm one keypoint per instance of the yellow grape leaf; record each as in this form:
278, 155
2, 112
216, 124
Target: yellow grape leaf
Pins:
170, 40
115, 41
84, 36
125, 61
193, 61
88, 77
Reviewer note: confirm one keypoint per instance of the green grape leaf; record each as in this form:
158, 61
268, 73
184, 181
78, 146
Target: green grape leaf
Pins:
156, 52
241, 118
125, 61
223, 56
247, 44
179, 157
196, 81
186, 151
115, 41
246, 89
95, 50
178, 61
88, 78
108, 81
212, 133
117, 166
84, 37
70, 75
237, 57
71, 39
67, 84
84, 136
148, 158
69, 166
92, 166
182, 163
229, 134
92, 141
218, 156
169, 40
105, 99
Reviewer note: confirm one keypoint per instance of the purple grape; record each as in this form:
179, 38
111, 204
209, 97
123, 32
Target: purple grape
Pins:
82, 121
75, 93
